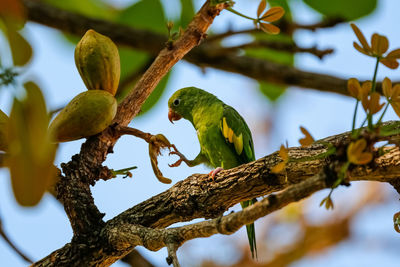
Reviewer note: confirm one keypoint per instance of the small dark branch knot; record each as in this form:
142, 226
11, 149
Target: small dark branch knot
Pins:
169, 260
272, 200
330, 175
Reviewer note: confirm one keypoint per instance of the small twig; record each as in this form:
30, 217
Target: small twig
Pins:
172, 258
325, 23
287, 47
10, 243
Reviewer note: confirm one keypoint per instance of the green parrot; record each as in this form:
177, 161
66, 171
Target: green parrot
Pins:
225, 139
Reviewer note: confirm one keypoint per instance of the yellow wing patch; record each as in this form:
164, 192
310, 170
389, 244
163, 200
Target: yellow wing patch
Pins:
231, 137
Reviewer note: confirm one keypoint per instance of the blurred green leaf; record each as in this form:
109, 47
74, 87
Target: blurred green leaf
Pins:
187, 12
155, 95
270, 90
30, 152
146, 15
346, 9
91, 8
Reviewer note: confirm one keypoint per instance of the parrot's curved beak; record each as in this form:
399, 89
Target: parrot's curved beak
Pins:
173, 116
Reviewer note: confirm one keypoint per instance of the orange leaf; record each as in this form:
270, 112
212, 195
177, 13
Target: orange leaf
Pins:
379, 43
261, 7
391, 63
365, 89
269, 28
283, 153
354, 88
374, 106
396, 107
307, 140
394, 54
360, 49
273, 14
13, 9
360, 37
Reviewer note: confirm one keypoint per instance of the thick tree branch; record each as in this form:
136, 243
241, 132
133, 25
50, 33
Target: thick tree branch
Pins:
197, 197
202, 56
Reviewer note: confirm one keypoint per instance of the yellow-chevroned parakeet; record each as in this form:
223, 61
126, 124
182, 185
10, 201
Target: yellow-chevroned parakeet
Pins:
225, 139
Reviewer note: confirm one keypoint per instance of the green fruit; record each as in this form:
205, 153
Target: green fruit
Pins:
87, 114
3, 130
97, 60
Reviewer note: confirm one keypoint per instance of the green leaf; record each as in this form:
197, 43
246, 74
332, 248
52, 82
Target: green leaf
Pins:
187, 12
347, 9
30, 152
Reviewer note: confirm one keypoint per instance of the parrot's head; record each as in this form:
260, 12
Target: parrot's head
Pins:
182, 103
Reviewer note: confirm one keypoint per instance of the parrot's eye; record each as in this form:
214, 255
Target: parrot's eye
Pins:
177, 101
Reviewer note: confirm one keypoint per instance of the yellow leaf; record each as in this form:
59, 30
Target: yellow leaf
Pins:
278, 167
307, 140
269, 28
261, 7
273, 14
30, 153
354, 88
387, 87
360, 49
379, 43
356, 154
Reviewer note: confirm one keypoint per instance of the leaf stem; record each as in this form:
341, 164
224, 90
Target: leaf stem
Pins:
354, 117
239, 14
383, 113
373, 90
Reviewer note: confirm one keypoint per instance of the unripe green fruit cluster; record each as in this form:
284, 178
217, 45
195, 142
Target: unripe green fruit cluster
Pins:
89, 113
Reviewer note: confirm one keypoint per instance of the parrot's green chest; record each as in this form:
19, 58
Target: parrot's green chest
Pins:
215, 149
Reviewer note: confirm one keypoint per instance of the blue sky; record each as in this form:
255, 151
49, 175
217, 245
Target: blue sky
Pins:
42, 229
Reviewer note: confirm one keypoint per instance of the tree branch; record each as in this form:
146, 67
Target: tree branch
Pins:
202, 56
197, 197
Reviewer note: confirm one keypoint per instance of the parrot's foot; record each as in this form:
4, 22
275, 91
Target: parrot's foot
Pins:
180, 155
214, 172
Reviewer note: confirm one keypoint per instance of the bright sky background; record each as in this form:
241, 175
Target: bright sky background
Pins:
44, 228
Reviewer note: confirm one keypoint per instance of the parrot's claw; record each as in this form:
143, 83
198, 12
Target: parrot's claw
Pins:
176, 164
214, 172
181, 159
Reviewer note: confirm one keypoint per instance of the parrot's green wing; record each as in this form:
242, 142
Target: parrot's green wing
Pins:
237, 134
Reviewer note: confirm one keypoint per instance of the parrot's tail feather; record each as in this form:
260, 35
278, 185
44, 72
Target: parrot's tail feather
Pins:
251, 233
